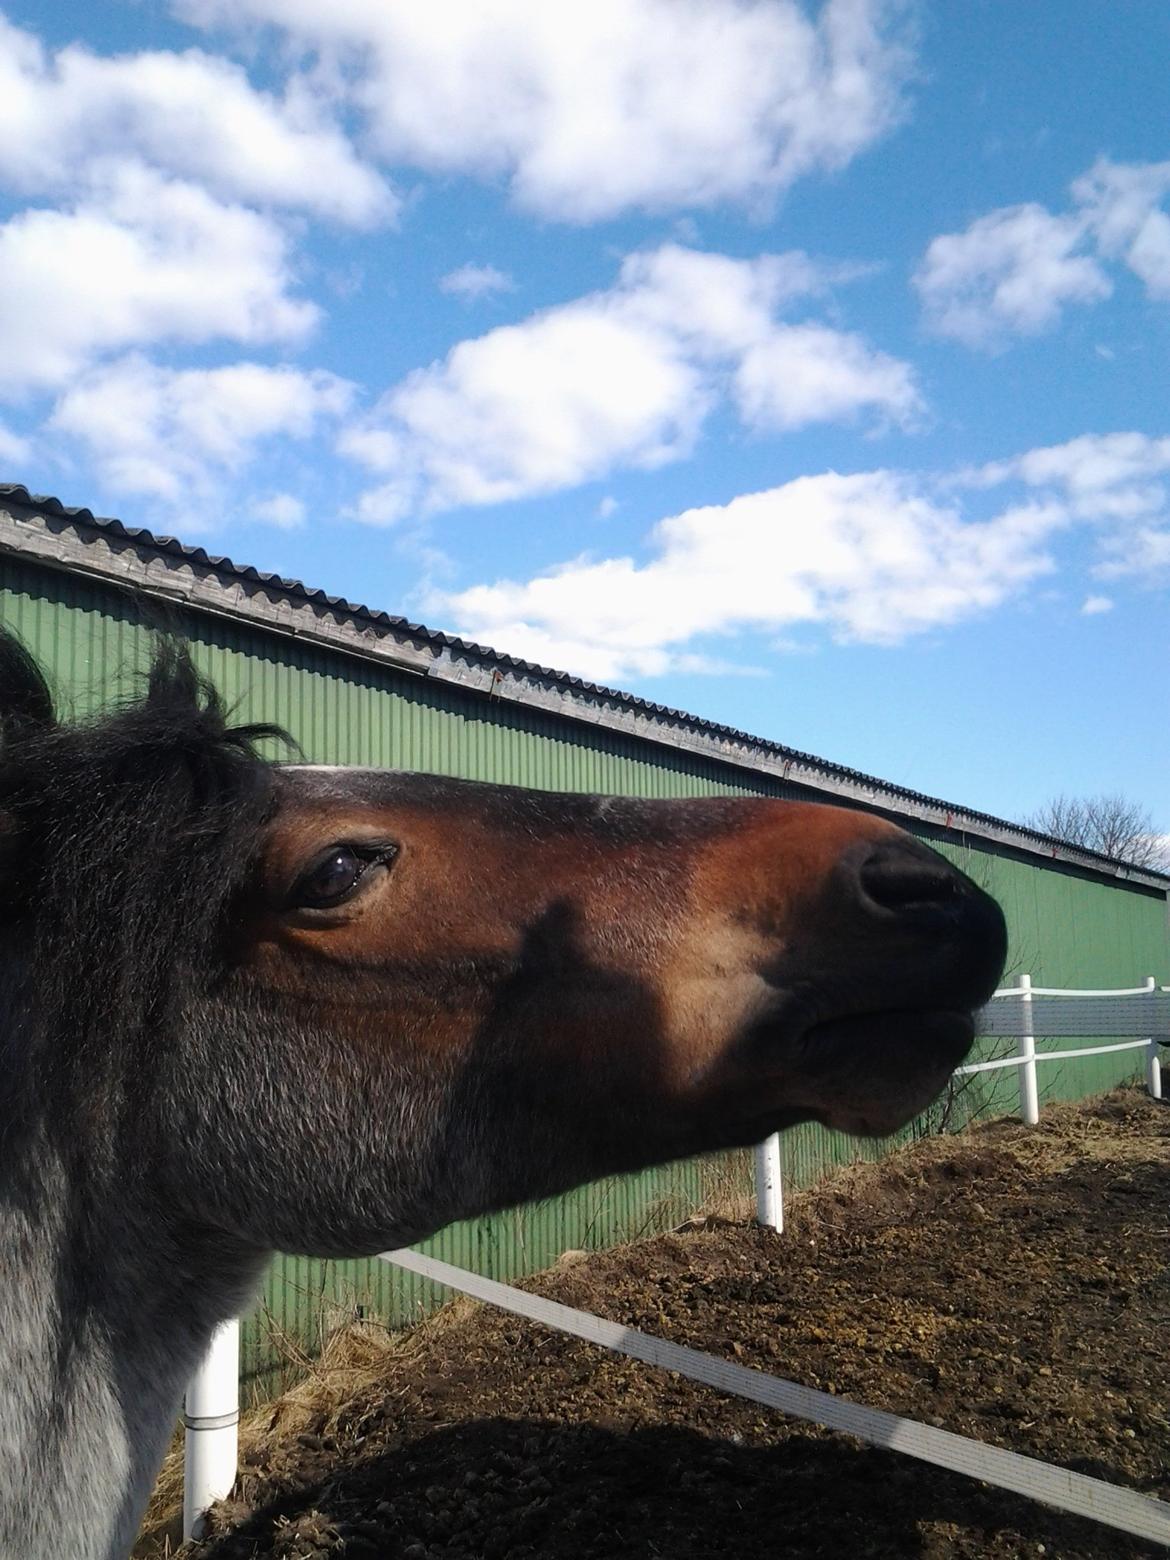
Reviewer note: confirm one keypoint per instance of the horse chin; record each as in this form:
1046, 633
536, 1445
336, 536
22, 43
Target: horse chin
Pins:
871, 1073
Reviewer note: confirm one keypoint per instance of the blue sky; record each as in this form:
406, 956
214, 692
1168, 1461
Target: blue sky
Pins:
801, 366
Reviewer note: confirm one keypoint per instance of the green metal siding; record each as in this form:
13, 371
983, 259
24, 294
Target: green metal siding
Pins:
1067, 928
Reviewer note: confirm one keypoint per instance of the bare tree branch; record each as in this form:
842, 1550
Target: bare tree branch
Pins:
1110, 823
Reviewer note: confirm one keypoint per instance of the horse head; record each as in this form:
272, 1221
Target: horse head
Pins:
337, 1008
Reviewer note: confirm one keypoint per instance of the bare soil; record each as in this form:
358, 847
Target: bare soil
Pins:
1010, 1284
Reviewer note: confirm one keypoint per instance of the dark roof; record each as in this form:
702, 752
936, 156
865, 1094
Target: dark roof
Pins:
950, 815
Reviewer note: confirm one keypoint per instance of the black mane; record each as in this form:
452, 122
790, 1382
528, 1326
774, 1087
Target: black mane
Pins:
122, 841
25, 701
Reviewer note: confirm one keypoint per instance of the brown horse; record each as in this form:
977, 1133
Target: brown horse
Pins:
248, 1007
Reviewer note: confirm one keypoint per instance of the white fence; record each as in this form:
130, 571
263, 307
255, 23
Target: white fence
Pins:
1026, 1012
211, 1410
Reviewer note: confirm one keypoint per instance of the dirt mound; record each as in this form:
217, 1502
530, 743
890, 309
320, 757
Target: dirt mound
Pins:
1010, 1284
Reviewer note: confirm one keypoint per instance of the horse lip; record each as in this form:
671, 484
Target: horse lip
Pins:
952, 1025
819, 1039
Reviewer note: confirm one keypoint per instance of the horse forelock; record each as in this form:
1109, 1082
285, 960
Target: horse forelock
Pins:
122, 842
26, 703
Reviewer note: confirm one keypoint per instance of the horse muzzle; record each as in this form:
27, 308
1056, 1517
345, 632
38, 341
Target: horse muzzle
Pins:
872, 1004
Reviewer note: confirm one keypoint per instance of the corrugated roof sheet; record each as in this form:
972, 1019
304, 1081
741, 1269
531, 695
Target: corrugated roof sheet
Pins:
226, 568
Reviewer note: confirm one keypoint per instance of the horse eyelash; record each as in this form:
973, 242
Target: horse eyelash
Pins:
373, 855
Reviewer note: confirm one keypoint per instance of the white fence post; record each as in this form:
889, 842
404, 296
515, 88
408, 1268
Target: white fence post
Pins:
1153, 1063
211, 1417
1153, 1066
1029, 1096
769, 1184
1153, 1069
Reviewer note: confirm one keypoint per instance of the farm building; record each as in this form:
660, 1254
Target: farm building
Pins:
357, 686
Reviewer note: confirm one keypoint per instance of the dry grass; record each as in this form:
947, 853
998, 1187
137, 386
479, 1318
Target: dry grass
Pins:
729, 1192
353, 1359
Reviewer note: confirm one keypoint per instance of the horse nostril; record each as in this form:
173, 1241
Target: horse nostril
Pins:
896, 878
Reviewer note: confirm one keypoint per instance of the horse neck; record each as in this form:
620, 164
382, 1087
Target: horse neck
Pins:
104, 1314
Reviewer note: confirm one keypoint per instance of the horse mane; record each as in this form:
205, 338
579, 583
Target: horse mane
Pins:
25, 700
123, 839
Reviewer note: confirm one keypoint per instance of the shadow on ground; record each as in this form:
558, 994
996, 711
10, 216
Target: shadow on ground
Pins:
515, 1490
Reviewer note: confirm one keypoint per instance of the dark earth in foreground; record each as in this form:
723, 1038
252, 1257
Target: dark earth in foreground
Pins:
1009, 1284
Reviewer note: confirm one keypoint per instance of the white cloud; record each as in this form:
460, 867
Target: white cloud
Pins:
283, 510
172, 433
808, 373
1112, 480
472, 282
13, 448
871, 557
622, 378
1015, 269
590, 110
1110, 476
1140, 552
1011, 271
1093, 606
193, 115
1121, 202
147, 260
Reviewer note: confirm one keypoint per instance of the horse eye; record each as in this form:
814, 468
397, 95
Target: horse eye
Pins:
332, 879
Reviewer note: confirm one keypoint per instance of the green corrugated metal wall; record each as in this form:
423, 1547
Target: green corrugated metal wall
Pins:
1067, 929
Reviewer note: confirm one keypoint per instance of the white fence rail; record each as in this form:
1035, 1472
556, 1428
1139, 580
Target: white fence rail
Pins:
1111, 1504
1025, 1012
211, 1410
